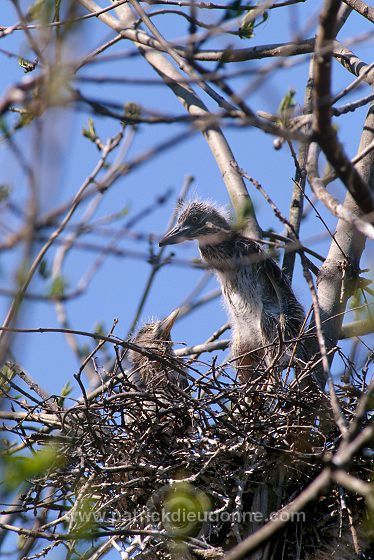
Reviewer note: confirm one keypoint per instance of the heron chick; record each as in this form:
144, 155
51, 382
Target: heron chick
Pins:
149, 373
261, 304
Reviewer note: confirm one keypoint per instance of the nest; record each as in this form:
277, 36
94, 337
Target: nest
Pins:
175, 474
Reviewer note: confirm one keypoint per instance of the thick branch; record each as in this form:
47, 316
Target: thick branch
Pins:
361, 8
354, 64
335, 207
324, 132
193, 104
339, 273
256, 53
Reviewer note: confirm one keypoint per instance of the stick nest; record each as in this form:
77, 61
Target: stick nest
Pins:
226, 454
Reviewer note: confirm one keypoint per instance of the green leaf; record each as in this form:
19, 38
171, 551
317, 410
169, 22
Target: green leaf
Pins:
5, 191
132, 111
7, 374
124, 212
18, 468
246, 30
84, 350
84, 516
99, 329
58, 287
57, 9
248, 24
287, 106
65, 391
43, 270
90, 131
27, 65
243, 213
287, 102
41, 10
356, 299
22, 540
22, 273
26, 117
367, 522
234, 9
4, 127
186, 509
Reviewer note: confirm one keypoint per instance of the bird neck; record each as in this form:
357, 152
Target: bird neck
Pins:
225, 254
216, 241
235, 261
214, 238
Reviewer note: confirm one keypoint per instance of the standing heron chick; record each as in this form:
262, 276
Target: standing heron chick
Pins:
262, 307
148, 373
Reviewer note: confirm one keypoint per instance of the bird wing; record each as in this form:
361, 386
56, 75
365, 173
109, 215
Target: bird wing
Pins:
182, 381
136, 379
291, 313
178, 378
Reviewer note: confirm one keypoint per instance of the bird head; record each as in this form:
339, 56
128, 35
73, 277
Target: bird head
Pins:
198, 220
154, 336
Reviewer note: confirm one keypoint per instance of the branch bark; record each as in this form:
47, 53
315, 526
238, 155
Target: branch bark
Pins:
193, 104
340, 270
361, 8
324, 133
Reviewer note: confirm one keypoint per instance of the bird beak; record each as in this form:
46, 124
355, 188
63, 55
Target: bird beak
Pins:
176, 235
167, 324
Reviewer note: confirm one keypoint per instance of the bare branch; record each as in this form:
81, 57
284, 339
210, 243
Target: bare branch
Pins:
361, 8
339, 210
324, 132
214, 136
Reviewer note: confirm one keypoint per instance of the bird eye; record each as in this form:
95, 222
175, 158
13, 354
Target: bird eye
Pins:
194, 219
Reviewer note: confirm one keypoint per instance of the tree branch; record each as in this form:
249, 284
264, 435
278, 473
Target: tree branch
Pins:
318, 487
186, 95
338, 275
323, 130
361, 8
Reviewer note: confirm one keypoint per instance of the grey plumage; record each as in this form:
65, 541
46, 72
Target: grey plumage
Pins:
161, 375
258, 296
148, 373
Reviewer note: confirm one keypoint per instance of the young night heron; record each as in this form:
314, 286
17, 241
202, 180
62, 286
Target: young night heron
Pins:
148, 373
161, 376
264, 312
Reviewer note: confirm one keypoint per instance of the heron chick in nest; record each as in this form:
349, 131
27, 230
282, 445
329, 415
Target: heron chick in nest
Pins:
265, 314
160, 375
156, 372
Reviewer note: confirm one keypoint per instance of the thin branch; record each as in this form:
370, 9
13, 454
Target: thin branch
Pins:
214, 136
30, 273
157, 258
297, 200
353, 484
318, 487
21, 27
